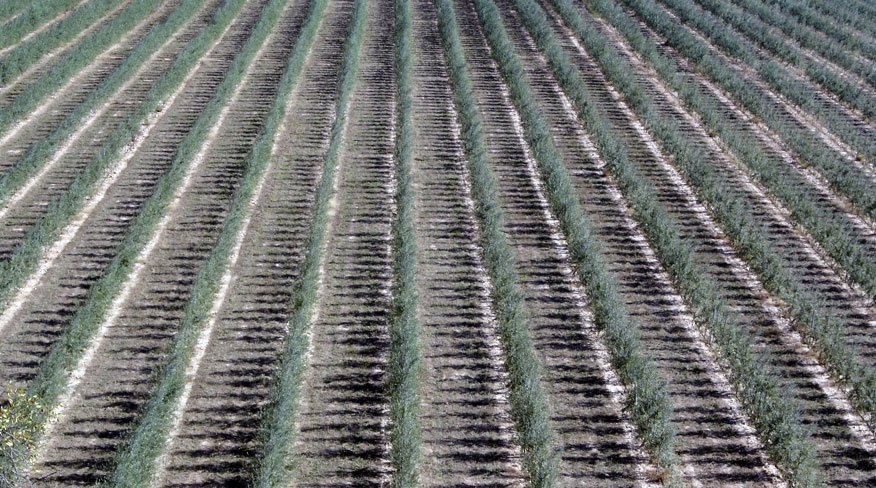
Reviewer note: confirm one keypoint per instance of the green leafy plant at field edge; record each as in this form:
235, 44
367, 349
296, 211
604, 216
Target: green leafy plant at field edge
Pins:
19, 433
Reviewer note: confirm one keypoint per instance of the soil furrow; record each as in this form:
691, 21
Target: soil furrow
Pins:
595, 435
217, 434
667, 328
50, 111
48, 309
826, 416
106, 399
837, 128
799, 61
344, 410
852, 67
467, 426
851, 30
116, 384
13, 88
27, 205
816, 272
118, 381
437, 242
123, 91
46, 24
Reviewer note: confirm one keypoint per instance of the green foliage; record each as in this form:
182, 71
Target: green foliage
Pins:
811, 317
51, 379
18, 435
77, 57
776, 419
852, 28
809, 38
274, 455
529, 408
25, 257
37, 155
648, 400
844, 177
827, 225
135, 464
404, 353
10, 8
815, 320
36, 15
761, 34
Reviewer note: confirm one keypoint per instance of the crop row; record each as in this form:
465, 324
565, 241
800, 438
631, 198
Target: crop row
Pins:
31, 19
839, 20
842, 174
758, 389
26, 255
404, 352
13, 88
528, 406
9, 9
810, 39
848, 90
75, 59
279, 419
816, 321
465, 413
51, 379
231, 372
40, 152
136, 463
812, 319
669, 246
778, 424
830, 229
29, 52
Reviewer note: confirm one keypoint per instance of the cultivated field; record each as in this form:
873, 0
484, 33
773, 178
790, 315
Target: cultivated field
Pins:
437, 243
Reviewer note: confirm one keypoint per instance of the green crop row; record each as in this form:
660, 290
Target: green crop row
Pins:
843, 176
36, 156
836, 19
648, 400
73, 60
811, 317
27, 253
863, 11
24, 55
776, 420
10, 8
831, 229
834, 232
51, 379
36, 15
761, 34
404, 349
136, 461
529, 408
275, 456
812, 39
